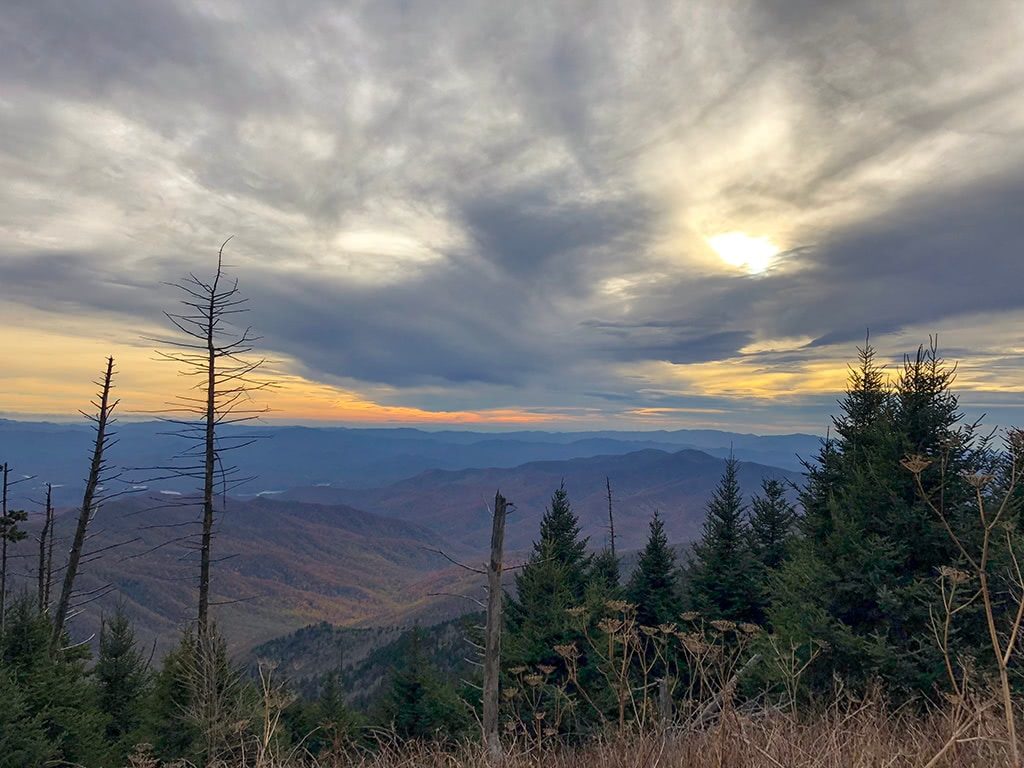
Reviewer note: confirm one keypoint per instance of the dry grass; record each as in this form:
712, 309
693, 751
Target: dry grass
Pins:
864, 734
867, 739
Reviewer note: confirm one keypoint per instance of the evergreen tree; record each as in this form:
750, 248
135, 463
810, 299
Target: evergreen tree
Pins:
604, 577
862, 577
554, 579
167, 728
419, 705
55, 696
722, 579
654, 585
861, 428
772, 524
22, 738
772, 527
560, 540
327, 722
122, 677
331, 701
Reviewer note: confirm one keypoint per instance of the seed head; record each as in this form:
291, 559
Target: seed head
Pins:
567, 651
915, 463
618, 606
955, 575
977, 479
609, 626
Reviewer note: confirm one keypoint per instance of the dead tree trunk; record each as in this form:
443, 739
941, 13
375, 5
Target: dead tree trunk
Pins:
46, 554
209, 456
209, 347
492, 641
102, 419
3, 555
611, 517
10, 533
664, 704
49, 552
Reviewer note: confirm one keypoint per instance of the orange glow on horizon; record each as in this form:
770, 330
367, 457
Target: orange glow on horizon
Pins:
50, 374
55, 374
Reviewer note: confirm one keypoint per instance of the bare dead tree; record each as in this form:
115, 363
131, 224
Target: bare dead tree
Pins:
102, 419
3, 544
9, 534
492, 632
212, 349
45, 567
611, 517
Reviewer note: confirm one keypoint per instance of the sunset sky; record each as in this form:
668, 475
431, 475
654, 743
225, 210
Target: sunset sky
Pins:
565, 215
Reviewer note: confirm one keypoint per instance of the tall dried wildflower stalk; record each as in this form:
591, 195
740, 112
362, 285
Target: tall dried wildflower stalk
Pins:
636, 674
993, 507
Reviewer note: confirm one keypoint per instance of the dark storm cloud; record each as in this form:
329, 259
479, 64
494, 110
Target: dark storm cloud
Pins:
468, 200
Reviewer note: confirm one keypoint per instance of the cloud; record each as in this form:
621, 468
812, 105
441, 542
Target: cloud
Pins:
457, 206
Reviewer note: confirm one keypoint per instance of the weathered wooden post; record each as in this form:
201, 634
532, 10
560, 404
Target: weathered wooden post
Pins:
664, 704
492, 641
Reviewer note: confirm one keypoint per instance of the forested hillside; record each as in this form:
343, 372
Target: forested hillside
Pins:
453, 504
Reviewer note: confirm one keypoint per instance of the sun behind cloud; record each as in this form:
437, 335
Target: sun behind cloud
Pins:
738, 249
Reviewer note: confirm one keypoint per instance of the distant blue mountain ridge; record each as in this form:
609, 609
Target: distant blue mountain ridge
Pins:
298, 456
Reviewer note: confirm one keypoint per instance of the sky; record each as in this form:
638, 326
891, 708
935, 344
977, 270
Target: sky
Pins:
558, 214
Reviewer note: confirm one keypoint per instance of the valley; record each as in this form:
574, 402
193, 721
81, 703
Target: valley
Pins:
357, 556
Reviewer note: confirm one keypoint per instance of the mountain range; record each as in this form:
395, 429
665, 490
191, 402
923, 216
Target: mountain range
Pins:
283, 457
326, 542
454, 504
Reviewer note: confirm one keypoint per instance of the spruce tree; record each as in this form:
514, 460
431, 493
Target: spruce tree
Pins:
173, 735
55, 693
326, 722
331, 701
604, 576
654, 584
722, 579
772, 528
419, 705
554, 579
560, 540
862, 577
122, 677
22, 738
772, 524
